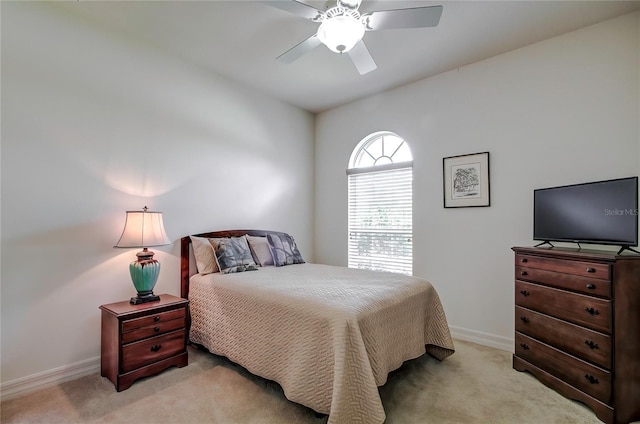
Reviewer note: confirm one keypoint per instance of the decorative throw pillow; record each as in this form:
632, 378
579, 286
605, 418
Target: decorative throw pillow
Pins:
233, 255
204, 254
260, 250
284, 250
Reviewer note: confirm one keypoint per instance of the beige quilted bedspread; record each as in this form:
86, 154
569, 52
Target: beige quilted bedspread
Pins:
328, 335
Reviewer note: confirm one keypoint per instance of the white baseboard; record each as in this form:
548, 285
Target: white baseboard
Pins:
59, 375
42, 380
481, 338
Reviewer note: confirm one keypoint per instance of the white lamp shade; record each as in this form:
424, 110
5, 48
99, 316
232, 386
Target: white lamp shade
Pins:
143, 229
340, 33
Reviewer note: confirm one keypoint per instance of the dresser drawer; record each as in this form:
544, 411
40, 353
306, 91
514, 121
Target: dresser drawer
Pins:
148, 351
577, 308
154, 329
578, 341
588, 378
137, 323
586, 269
573, 282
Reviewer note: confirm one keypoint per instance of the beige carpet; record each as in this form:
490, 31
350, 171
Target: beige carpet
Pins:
475, 385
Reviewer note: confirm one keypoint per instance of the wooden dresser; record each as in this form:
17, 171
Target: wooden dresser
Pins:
577, 322
142, 340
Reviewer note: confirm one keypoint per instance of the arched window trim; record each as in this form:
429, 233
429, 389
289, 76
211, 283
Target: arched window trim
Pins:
367, 142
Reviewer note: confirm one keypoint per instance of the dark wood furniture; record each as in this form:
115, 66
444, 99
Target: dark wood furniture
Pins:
577, 322
186, 255
142, 340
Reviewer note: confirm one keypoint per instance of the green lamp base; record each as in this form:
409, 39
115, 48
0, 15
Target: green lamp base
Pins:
144, 274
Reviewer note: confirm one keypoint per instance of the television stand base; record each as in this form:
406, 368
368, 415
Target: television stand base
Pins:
623, 248
543, 243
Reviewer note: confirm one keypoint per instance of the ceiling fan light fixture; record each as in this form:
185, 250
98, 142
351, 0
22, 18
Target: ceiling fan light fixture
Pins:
340, 33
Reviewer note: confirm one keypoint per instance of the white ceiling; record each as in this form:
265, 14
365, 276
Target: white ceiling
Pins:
241, 39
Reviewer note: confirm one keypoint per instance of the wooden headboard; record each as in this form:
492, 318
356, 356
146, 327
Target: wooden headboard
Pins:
186, 253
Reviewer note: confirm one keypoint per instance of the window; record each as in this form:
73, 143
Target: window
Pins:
380, 178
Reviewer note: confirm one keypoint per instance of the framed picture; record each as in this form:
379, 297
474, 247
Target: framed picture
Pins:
466, 180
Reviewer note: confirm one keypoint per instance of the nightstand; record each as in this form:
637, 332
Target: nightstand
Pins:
142, 340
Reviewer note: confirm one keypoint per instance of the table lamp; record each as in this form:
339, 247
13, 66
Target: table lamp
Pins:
144, 229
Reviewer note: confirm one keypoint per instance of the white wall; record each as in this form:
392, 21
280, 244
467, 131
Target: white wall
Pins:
561, 111
94, 124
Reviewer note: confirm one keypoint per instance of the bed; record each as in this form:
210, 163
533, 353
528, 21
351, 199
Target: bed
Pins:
328, 335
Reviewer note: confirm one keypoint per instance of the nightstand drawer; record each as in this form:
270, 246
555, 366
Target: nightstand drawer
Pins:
585, 269
578, 341
590, 379
145, 352
155, 329
588, 311
133, 324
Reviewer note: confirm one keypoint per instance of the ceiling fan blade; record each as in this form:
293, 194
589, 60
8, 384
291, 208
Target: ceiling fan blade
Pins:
297, 8
418, 17
361, 57
300, 49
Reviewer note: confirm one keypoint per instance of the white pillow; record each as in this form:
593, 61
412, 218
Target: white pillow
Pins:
260, 250
204, 253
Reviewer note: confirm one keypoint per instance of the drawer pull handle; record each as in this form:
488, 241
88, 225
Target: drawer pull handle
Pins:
591, 286
156, 319
523, 273
524, 346
524, 293
592, 311
591, 344
591, 379
156, 329
156, 348
591, 270
524, 319
524, 260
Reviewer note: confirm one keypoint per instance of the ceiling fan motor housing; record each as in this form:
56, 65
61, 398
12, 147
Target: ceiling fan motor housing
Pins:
349, 4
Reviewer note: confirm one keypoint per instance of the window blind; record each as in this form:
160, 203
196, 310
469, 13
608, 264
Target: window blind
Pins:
380, 220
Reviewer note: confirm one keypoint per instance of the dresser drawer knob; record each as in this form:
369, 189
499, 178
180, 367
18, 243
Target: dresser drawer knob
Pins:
524, 293
156, 329
524, 273
592, 311
591, 286
591, 379
524, 260
524, 319
156, 348
156, 319
591, 270
524, 346
591, 344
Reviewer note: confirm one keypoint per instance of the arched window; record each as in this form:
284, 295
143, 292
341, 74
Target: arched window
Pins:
380, 177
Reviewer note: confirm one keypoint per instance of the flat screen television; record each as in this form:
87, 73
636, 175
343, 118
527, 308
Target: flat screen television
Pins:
600, 212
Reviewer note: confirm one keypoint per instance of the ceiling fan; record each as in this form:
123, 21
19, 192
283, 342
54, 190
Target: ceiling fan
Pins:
343, 26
